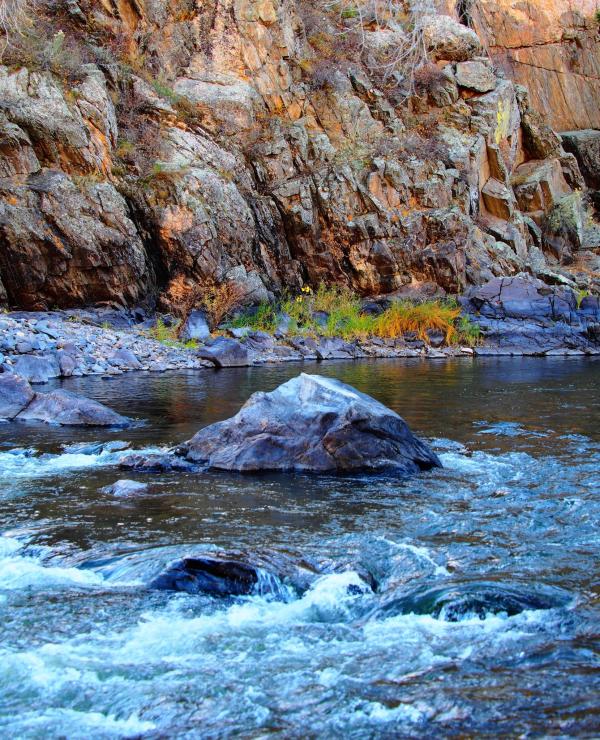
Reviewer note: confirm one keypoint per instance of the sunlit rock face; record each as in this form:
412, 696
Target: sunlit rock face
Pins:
250, 144
551, 47
312, 424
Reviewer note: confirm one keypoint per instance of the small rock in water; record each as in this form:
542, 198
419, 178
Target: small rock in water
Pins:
455, 602
125, 487
225, 353
209, 576
311, 424
155, 463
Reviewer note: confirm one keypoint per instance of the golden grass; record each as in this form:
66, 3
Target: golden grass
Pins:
403, 317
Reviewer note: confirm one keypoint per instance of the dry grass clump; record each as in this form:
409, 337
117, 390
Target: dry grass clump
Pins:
219, 301
404, 317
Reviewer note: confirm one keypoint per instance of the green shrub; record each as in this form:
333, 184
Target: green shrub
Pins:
263, 318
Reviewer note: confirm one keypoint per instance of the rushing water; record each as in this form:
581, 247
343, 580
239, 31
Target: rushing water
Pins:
438, 651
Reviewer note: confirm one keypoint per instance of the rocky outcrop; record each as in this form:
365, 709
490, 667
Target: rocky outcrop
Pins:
524, 316
311, 424
250, 144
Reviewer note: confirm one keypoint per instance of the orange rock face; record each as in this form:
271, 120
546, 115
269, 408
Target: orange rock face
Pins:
552, 47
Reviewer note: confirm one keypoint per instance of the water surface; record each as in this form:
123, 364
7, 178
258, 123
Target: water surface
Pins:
86, 650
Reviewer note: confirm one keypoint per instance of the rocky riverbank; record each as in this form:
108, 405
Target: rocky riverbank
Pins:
517, 316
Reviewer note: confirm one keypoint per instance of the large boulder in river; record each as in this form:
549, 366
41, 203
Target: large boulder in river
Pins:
15, 395
311, 424
64, 407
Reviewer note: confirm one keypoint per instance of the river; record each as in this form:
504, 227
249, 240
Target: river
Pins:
86, 650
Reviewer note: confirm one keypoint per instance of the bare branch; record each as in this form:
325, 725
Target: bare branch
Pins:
391, 34
15, 18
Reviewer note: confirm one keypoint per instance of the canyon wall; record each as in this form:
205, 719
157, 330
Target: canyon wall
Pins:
551, 46
150, 151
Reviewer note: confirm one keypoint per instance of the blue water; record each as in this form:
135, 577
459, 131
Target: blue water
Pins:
86, 650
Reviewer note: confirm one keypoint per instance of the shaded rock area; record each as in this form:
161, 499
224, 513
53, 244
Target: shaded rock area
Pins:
15, 395
585, 146
524, 316
18, 401
311, 424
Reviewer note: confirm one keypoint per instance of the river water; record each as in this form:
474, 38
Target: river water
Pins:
86, 650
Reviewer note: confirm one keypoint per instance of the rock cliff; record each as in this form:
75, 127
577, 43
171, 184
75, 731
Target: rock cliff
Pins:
551, 46
155, 150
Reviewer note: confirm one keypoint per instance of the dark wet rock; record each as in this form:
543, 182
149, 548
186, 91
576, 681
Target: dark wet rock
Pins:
196, 327
66, 408
155, 463
95, 448
311, 424
37, 369
452, 603
125, 487
15, 395
209, 576
224, 352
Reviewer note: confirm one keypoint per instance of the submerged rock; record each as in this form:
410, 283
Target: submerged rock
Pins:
64, 407
467, 600
208, 575
311, 424
155, 462
15, 395
125, 487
